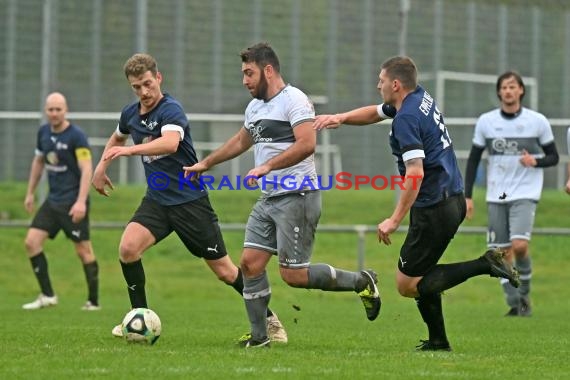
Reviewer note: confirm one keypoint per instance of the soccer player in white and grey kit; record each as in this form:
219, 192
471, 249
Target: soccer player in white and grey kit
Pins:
423, 149
279, 124
520, 144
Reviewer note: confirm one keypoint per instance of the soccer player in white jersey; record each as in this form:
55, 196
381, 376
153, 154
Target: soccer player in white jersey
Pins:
520, 143
279, 124
568, 166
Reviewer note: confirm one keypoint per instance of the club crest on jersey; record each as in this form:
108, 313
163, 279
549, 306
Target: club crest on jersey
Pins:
505, 146
149, 125
60, 146
256, 132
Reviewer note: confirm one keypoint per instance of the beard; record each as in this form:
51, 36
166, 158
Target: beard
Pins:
261, 90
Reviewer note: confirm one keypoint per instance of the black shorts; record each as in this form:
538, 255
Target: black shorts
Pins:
431, 230
53, 217
195, 223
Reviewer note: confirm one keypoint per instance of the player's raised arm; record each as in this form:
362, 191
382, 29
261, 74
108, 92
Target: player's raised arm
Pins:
358, 116
236, 145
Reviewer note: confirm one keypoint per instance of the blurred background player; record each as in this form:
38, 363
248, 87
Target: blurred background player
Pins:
520, 143
432, 195
279, 123
568, 165
160, 131
61, 149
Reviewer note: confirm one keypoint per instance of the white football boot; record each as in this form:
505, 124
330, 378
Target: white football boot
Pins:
40, 302
275, 329
90, 307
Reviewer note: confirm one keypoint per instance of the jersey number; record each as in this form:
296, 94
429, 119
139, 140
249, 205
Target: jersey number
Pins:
438, 118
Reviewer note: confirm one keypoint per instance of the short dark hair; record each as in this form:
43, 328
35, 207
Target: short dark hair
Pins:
507, 75
402, 68
262, 55
139, 64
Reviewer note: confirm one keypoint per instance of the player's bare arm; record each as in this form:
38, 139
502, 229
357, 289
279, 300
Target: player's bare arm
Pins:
236, 145
568, 182
359, 116
167, 143
100, 179
35, 175
79, 208
411, 188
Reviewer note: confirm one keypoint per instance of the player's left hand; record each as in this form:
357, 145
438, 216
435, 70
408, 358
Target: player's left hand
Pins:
568, 187
117, 151
254, 174
385, 229
78, 211
527, 160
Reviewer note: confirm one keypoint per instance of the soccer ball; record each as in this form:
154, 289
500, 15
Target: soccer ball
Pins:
141, 326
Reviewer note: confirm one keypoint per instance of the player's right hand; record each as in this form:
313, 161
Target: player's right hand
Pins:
470, 208
195, 170
99, 181
327, 122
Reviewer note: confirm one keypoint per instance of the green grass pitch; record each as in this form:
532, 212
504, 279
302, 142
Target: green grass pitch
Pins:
329, 336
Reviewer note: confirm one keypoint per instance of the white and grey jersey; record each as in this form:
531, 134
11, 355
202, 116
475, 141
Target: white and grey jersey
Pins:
568, 140
505, 140
270, 124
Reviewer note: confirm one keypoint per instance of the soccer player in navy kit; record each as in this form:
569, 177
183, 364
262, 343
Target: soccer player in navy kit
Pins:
62, 149
160, 131
279, 124
520, 144
423, 149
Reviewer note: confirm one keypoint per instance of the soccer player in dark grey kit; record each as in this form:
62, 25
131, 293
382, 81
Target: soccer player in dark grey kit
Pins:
279, 123
520, 144
423, 149
62, 149
161, 135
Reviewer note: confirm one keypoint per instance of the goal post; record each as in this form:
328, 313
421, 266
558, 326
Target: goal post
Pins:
440, 77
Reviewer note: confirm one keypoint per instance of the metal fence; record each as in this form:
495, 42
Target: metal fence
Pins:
329, 48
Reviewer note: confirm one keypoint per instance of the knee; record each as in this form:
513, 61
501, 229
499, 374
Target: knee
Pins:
227, 275
129, 252
292, 281
248, 267
296, 278
406, 290
33, 246
520, 248
30, 244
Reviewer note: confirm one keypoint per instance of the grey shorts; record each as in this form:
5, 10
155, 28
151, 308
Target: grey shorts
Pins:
285, 225
509, 221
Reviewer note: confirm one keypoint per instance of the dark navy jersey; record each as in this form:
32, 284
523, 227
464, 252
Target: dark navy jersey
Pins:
60, 152
418, 131
164, 172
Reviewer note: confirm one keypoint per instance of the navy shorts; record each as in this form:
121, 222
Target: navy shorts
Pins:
431, 230
53, 217
195, 223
